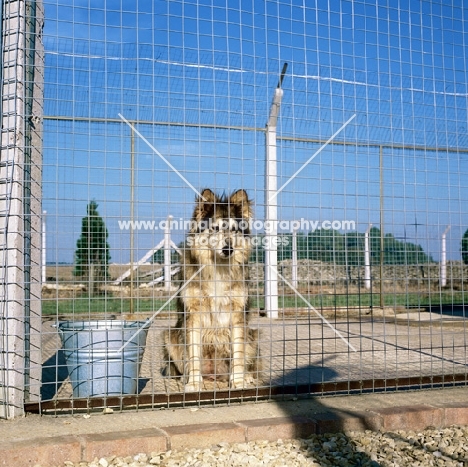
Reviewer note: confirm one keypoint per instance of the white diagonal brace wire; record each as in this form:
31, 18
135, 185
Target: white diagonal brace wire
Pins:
161, 156
337, 132
338, 333
160, 309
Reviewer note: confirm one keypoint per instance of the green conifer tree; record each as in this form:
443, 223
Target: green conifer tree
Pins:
92, 254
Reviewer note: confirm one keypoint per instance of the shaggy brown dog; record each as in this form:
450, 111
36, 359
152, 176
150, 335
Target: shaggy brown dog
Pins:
211, 338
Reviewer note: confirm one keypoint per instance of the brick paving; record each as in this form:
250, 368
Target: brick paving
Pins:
50, 441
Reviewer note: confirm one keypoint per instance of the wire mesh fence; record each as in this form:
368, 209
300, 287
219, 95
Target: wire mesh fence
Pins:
242, 201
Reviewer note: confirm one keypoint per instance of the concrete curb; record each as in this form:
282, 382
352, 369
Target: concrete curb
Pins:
56, 450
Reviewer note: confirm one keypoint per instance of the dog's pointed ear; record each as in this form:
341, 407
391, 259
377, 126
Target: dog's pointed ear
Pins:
206, 196
205, 205
241, 200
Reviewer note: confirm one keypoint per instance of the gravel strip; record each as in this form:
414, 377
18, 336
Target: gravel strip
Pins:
431, 447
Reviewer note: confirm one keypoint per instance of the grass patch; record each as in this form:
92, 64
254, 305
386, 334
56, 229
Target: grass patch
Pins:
117, 306
368, 299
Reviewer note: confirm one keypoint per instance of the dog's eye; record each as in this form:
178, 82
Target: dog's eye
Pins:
216, 228
234, 228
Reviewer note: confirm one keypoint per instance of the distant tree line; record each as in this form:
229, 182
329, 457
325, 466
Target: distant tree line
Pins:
464, 247
92, 255
332, 246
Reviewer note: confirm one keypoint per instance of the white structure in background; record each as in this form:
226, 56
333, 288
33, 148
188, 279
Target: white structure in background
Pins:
167, 269
294, 258
44, 246
367, 268
443, 259
167, 254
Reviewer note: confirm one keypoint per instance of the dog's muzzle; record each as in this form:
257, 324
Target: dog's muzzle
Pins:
227, 249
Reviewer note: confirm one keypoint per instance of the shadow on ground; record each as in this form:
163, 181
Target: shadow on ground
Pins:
54, 373
456, 310
331, 447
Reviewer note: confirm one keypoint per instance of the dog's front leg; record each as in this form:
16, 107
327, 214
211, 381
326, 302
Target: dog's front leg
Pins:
237, 378
194, 359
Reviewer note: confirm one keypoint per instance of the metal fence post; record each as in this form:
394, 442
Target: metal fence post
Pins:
271, 210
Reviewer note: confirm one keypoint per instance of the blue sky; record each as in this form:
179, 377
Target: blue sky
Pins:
399, 66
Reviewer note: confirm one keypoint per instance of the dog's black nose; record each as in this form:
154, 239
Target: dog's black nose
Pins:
227, 250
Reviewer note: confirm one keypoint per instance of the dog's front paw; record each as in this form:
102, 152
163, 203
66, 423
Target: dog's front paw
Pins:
242, 382
192, 386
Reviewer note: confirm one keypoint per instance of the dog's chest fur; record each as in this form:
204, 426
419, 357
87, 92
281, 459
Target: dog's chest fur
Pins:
224, 296
219, 296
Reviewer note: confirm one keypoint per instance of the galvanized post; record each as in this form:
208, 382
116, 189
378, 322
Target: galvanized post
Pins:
382, 249
132, 217
271, 207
